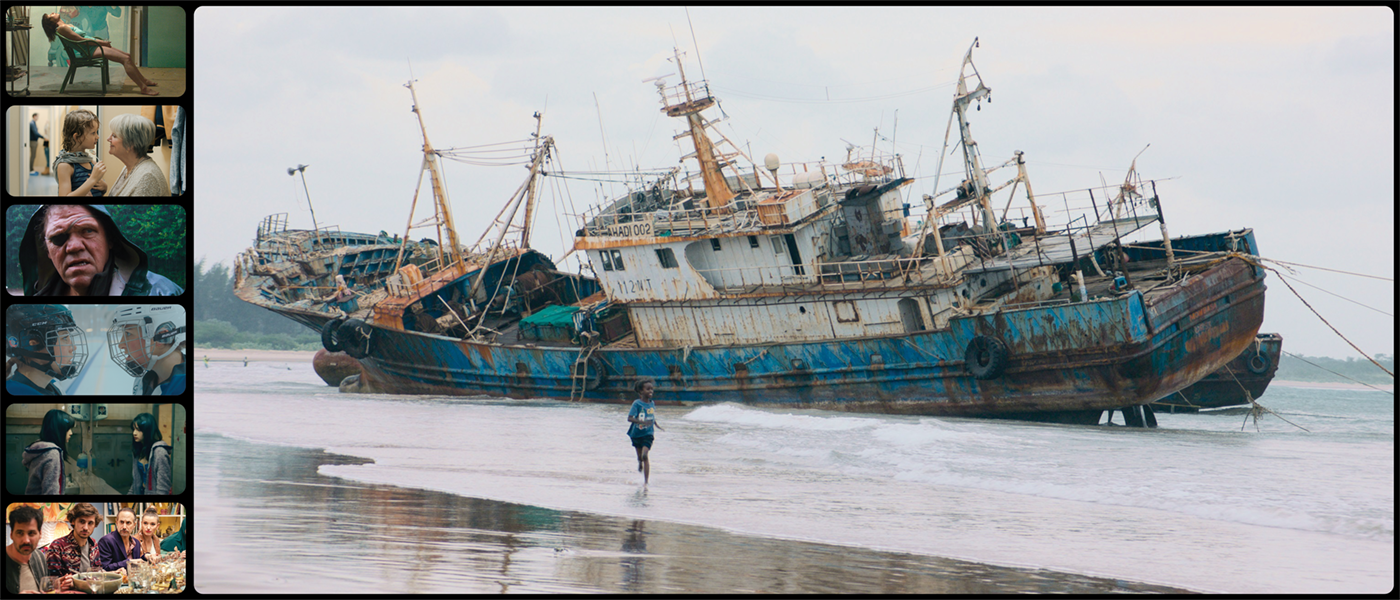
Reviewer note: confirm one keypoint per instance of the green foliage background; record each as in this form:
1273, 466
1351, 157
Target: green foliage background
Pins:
221, 320
159, 229
1355, 369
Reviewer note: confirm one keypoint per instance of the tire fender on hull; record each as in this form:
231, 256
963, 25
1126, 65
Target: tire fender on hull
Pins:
329, 340
1258, 364
986, 357
591, 372
356, 338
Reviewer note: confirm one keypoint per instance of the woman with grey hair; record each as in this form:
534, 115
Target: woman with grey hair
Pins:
131, 136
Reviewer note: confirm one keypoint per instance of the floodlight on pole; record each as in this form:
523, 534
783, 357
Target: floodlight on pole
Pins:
302, 170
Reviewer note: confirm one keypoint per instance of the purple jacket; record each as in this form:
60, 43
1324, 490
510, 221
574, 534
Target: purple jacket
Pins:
109, 551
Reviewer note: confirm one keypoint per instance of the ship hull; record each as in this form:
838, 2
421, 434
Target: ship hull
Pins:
1250, 373
1065, 363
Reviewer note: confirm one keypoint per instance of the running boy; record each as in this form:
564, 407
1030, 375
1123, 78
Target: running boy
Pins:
643, 418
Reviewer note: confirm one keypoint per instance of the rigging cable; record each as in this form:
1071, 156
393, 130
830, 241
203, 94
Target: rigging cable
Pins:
1314, 311
1342, 297
1332, 270
1391, 392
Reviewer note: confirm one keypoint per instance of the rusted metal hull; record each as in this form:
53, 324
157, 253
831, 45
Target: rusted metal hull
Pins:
1066, 362
1250, 372
334, 367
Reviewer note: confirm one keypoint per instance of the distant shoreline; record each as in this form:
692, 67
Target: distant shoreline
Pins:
1334, 385
226, 355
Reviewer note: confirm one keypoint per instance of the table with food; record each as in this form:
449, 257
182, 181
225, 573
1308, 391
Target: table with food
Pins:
139, 577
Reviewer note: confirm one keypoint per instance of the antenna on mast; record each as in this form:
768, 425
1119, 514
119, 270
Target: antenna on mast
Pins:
696, 45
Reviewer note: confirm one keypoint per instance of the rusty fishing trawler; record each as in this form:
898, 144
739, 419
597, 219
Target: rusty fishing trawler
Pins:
809, 285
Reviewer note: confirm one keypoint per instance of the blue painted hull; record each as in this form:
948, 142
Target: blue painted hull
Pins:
1067, 362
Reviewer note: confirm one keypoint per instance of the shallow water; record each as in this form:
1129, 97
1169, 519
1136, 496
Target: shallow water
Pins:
1195, 504
269, 523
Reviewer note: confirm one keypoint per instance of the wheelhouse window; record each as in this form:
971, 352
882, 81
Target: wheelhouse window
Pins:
617, 260
714, 244
607, 259
667, 258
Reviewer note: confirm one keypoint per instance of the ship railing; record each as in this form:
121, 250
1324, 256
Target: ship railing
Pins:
891, 271
271, 224
613, 216
1064, 212
413, 279
684, 92
870, 166
736, 216
416, 279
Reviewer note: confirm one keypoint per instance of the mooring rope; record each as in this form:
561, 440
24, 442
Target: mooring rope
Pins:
1255, 408
1338, 374
1255, 260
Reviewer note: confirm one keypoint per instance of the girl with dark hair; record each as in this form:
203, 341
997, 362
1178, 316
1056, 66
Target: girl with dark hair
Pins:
150, 472
45, 458
85, 47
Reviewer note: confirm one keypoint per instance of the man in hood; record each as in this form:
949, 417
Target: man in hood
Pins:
77, 250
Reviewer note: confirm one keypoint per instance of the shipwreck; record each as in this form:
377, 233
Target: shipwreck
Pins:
792, 285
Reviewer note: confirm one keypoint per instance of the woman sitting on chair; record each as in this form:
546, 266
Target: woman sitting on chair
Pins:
87, 47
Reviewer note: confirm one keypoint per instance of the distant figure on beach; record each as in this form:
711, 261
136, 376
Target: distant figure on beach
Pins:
206, 361
245, 361
643, 418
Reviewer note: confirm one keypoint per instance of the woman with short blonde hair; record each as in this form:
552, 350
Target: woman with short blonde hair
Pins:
130, 141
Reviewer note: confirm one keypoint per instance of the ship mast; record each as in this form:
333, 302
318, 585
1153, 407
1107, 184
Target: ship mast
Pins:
681, 101
449, 251
972, 159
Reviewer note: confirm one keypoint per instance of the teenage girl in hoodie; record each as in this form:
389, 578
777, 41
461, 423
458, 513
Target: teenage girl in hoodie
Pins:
45, 458
150, 472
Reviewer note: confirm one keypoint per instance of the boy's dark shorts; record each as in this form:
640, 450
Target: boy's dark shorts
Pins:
638, 442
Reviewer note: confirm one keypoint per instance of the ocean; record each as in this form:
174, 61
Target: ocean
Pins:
301, 489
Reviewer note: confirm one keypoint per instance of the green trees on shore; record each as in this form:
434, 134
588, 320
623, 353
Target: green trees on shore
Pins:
1322, 369
221, 320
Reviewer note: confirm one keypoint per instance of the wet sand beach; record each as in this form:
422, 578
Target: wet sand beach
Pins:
269, 523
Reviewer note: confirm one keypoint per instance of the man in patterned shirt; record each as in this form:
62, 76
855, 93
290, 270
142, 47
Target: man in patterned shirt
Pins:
75, 552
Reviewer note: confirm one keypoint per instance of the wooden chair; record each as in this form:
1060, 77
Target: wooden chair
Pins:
75, 60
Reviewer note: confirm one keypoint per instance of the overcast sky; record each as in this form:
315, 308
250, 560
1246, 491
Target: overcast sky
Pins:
1279, 119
